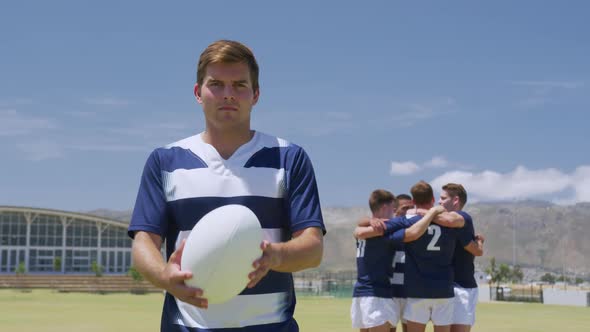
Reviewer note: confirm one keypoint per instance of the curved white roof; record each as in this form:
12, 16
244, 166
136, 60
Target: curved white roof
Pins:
67, 214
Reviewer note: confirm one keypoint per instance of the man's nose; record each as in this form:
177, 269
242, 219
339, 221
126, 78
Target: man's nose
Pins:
228, 92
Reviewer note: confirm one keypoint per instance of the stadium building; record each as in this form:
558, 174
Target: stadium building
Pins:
50, 241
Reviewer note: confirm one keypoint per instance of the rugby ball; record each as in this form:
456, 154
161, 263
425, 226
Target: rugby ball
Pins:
219, 251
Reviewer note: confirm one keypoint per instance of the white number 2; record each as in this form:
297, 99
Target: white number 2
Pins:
434, 229
360, 248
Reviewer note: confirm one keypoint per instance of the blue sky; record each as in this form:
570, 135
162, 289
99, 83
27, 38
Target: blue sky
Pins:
380, 93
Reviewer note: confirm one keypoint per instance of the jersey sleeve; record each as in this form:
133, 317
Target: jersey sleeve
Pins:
302, 194
397, 237
149, 213
395, 224
465, 234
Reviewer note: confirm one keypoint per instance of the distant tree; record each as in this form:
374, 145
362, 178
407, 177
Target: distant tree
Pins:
492, 271
134, 274
57, 264
96, 268
504, 273
563, 278
137, 279
20, 269
579, 280
498, 274
516, 275
548, 277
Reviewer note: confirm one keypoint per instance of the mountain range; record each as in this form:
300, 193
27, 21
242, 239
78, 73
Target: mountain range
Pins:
532, 234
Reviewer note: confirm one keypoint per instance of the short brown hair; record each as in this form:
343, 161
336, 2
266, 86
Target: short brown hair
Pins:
228, 51
379, 198
455, 189
422, 193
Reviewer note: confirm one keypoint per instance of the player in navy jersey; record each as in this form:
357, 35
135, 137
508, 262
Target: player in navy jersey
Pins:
428, 270
228, 163
378, 278
454, 197
404, 203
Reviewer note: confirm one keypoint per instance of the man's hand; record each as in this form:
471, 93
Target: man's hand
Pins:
480, 239
438, 209
173, 281
422, 212
271, 257
378, 224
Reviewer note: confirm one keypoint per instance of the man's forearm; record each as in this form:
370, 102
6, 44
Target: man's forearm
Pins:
364, 221
147, 258
417, 230
450, 219
303, 251
363, 233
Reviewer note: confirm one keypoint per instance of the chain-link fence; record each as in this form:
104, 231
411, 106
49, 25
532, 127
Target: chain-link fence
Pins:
315, 283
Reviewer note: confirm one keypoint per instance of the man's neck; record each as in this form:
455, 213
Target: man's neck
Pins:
414, 211
227, 142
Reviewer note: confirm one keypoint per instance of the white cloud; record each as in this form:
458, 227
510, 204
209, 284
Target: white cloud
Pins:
297, 123
40, 150
45, 150
416, 113
581, 183
108, 101
411, 167
13, 123
404, 168
108, 147
551, 84
522, 183
15, 102
436, 162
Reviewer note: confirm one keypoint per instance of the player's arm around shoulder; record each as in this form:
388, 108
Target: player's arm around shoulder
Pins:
369, 227
303, 251
450, 219
148, 260
415, 231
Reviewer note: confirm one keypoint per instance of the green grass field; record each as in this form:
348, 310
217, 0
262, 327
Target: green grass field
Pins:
49, 311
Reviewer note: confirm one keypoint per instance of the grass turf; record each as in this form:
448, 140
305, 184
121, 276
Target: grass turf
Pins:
49, 311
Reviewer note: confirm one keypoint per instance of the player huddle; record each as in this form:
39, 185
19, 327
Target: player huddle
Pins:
415, 262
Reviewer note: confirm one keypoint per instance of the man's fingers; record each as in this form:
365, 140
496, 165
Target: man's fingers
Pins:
181, 276
177, 254
261, 269
196, 301
255, 277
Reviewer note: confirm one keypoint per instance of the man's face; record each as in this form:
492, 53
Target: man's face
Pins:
403, 205
449, 202
386, 211
226, 95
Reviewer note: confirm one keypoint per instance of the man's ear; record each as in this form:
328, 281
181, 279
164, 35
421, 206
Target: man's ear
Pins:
256, 96
197, 93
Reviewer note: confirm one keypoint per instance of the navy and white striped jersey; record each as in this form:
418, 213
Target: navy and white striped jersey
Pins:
185, 180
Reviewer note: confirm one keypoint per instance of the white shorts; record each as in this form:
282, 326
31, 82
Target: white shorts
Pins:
401, 304
464, 305
439, 311
367, 312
